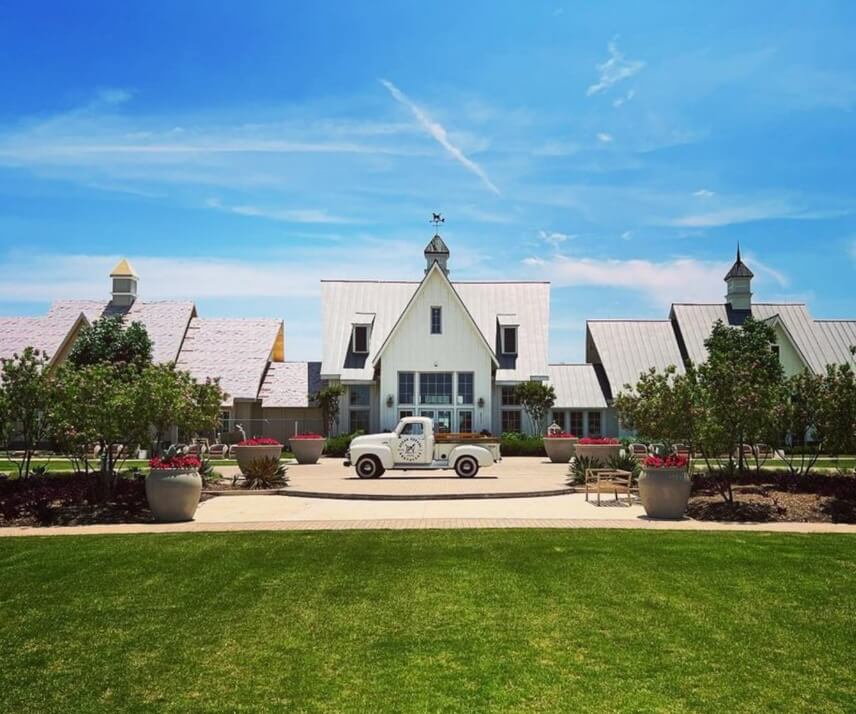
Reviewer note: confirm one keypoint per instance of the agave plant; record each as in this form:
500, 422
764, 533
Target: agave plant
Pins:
265, 472
624, 462
578, 468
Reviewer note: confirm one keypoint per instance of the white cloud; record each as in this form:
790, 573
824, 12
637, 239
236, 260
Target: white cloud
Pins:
554, 238
287, 215
440, 135
619, 101
746, 213
627, 235
605, 138
703, 193
615, 69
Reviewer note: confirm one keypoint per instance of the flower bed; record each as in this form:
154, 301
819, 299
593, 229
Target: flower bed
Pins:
672, 461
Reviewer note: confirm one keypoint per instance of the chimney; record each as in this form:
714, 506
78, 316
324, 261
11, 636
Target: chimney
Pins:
739, 282
124, 284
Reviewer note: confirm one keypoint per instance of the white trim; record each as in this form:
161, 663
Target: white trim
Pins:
354, 329
503, 328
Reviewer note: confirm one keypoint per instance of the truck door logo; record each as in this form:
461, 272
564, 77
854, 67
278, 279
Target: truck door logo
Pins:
410, 449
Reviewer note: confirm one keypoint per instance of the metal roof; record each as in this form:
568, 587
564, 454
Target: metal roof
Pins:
45, 333
387, 299
290, 384
235, 350
739, 269
816, 344
627, 348
840, 337
577, 386
165, 321
437, 245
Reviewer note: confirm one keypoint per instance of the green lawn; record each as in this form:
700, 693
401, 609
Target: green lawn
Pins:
521, 620
60, 465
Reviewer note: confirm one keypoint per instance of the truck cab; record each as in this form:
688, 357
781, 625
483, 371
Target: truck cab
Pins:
414, 445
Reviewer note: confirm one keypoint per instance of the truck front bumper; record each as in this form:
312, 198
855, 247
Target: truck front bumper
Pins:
347, 461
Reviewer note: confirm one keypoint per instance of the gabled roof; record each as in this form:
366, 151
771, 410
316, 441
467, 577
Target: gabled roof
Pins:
530, 301
47, 334
435, 270
235, 350
814, 344
576, 386
627, 348
165, 321
290, 384
840, 336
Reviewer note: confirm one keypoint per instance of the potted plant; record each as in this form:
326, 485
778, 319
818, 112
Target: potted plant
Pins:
664, 486
307, 447
173, 486
598, 449
247, 450
560, 446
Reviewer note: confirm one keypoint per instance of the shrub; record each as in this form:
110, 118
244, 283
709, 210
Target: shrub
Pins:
579, 466
624, 462
265, 472
338, 445
514, 444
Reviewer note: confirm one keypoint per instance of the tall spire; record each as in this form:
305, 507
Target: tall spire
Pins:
739, 281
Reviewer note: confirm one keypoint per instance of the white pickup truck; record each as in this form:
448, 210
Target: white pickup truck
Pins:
413, 445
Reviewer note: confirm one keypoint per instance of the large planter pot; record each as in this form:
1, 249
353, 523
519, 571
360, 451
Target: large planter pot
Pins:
559, 449
247, 454
173, 494
307, 451
665, 492
601, 453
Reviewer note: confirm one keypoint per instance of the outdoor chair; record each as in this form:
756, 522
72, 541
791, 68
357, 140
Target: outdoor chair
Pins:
682, 450
763, 451
638, 450
657, 449
613, 481
218, 451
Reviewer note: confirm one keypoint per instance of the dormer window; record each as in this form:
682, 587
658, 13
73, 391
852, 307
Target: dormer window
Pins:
509, 340
436, 320
360, 339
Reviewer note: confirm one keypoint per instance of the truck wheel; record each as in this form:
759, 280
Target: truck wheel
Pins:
466, 467
369, 467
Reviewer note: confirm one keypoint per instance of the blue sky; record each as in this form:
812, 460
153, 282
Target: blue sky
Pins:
237, 153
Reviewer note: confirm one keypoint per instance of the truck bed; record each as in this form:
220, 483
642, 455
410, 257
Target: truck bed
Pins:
452, 437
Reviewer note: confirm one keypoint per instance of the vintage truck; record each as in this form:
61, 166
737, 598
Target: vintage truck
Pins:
414, 445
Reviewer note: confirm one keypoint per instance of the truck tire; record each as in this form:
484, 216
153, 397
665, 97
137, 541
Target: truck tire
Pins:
369, 467
466, 467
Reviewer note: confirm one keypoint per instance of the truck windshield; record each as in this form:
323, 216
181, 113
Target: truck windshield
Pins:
412, 429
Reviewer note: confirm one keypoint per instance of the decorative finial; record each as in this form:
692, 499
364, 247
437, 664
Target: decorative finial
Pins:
738, 251
437, 219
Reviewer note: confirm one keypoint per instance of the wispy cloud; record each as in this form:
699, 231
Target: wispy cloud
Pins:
703, 193
286, 215
440, 135
605, 138
620, 101
761, 210
554, 238
616, 69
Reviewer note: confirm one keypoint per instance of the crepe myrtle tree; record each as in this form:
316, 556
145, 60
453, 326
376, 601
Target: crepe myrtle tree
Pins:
537, 399
328, 399
25, 400
108, 341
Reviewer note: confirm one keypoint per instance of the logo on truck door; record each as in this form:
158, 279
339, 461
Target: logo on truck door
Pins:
410, 449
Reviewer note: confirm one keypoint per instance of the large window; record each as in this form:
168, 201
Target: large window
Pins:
404, 413
436, 320
509, 398
559, 420
406, 386
465, 387
360, 395
359, 420
361, 339
576, 426
435, 388
465, 421
594, 426
509, 340
511, 421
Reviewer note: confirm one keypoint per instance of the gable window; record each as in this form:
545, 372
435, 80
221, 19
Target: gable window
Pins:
509, 340
406, 387
436, 321
361, 339
435, 388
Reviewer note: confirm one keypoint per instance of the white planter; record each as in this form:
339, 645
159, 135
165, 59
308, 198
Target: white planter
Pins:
601, 453
665, 492
245, 455
173, 494
307, 451
560, 449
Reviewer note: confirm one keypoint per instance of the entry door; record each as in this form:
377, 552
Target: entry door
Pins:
442, 419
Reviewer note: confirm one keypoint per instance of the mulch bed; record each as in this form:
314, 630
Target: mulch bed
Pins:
70, 500
829, 498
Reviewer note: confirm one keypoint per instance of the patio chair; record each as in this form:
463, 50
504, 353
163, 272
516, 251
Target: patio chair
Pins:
657, 449
218, 451
681, 450
609, 481
640, 451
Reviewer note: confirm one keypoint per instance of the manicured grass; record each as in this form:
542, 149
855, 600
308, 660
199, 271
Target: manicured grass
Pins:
523, 620
60, 465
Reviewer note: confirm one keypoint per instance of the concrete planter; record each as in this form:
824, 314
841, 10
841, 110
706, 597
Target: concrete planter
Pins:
665, 492
560, 449
247, 454
601, 453
307, 451
173, 494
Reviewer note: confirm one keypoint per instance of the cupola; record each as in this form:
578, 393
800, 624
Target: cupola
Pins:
437, 252
125, 282
739, 282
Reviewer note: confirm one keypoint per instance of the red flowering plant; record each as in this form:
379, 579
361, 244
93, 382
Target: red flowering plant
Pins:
174, 461
672, 461
599, 440
259, 441
559, 435
307, 435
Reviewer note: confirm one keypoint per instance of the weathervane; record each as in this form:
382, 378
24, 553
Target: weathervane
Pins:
437, 219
